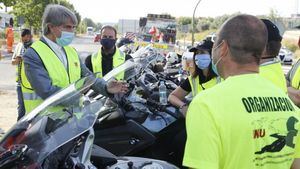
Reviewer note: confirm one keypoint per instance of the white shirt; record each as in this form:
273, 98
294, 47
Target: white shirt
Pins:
58, 50
19, 50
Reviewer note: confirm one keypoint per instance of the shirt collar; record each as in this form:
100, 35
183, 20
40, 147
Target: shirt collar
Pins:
52, 44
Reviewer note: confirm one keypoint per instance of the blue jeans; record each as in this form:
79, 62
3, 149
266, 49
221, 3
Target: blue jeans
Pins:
21, 108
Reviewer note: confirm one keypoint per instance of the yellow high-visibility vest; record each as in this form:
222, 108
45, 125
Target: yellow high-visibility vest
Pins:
196, 87
118, 59
294, 75
58, 74
273, 71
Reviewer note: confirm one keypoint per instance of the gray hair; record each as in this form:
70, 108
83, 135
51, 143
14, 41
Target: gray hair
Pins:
57, 15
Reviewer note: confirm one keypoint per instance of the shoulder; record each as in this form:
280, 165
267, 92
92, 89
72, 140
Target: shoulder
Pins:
215, 92
19, 45
89, 57
31, 54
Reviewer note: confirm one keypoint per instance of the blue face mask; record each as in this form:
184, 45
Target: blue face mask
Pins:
65, 38
202, 61
214, 65
108, 43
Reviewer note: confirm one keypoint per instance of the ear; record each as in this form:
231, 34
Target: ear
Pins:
224, 51
50, 27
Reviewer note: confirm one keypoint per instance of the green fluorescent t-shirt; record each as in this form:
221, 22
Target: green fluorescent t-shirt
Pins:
245, 122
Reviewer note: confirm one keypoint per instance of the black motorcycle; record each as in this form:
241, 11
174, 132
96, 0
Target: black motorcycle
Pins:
59, 134
136, 123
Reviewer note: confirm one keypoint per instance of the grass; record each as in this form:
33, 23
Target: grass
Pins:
198, 36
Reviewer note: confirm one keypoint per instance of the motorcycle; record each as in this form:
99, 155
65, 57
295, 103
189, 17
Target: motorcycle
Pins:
136, 123
59, 134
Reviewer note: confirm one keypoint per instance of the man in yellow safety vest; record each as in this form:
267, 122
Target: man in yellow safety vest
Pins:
50, 64
108, 56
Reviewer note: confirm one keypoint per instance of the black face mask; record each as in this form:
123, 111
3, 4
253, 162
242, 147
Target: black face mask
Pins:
27, 44
108, 43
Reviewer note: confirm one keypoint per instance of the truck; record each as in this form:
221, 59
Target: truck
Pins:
128, 25
158, 28
90, 31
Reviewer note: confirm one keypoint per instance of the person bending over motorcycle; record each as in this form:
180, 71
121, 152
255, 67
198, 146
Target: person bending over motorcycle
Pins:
201, 76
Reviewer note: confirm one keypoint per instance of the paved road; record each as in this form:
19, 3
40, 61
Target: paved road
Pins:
85, 45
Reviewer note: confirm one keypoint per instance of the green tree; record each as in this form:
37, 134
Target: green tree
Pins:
89, 22
8, 3
81, 28
187, 21
218, 21
184, 20
98, 26
32, 10
204, 23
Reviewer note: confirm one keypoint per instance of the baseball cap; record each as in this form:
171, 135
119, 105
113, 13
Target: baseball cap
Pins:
273, 31
204, 45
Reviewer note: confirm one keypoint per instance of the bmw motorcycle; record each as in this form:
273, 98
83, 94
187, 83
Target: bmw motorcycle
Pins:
59, 134
136, 123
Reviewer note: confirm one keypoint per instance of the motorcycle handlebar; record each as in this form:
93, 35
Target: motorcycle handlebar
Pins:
163, 108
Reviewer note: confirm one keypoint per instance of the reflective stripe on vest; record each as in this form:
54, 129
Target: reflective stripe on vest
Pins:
118, 59
31, 96
57, 72
294, 75
18, 71
272, 71
196, 87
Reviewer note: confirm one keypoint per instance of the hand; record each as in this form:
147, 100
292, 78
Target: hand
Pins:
184, 109
17, 60
114, 87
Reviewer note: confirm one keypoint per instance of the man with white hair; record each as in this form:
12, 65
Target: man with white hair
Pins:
50, 64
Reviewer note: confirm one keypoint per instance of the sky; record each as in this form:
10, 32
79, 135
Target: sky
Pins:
110, 11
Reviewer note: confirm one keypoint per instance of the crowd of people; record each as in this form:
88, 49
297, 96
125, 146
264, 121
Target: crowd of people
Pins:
244, 112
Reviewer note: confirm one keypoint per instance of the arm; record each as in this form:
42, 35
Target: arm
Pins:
177, 96
37, 75
16, 58
296, 164
88, 63
100, 84
294, 95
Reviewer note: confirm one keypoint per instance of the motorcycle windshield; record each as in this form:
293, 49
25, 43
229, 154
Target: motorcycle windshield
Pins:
141, 60
57, 121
